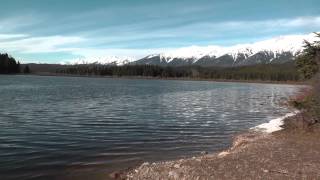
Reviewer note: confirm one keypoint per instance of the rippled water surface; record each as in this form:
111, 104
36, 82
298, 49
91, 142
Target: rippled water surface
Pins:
84, 128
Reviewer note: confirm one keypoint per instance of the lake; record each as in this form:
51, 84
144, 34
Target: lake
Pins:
85, 128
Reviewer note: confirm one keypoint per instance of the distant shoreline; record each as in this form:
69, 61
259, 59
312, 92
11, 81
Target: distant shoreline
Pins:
175, 79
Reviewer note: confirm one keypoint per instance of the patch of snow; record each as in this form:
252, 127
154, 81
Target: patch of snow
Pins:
273, 125
152, 55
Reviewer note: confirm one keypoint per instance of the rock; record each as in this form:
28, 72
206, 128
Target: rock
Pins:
204, 153
130, 176
174, 175
115, 175
145, 164
265, 170
177, 166
223, 153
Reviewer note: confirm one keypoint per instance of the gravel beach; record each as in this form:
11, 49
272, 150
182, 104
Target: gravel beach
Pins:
291, 153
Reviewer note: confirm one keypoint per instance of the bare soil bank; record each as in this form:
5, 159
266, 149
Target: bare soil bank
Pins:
292, 153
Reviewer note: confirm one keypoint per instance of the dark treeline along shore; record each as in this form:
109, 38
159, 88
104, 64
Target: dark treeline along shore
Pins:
265, 72
260, 72
8, 65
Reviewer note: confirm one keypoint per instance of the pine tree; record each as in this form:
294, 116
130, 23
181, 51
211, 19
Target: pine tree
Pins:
18, 67
26, 70
308, 62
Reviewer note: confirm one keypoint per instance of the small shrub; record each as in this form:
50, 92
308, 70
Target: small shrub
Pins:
308, 100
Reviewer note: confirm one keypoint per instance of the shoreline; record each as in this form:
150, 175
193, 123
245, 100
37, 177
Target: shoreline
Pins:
248, 153
172, 79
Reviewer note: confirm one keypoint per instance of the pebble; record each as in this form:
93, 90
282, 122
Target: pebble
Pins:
115, 175
223, 153
173, 174
145, 164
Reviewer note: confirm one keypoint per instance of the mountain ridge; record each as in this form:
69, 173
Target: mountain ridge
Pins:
275, 50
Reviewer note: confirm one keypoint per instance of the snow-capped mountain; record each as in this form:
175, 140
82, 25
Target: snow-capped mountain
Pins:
276, 50
105, 60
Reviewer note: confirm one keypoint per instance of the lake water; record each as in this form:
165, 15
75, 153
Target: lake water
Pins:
85, 128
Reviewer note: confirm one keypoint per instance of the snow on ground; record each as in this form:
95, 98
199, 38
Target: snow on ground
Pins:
274, 124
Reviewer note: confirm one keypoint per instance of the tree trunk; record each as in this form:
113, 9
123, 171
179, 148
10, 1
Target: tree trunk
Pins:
318, 56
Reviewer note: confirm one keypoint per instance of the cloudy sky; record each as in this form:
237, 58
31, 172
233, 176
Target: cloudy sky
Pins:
52, 31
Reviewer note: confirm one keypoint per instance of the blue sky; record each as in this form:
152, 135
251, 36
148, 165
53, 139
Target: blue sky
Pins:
52, 31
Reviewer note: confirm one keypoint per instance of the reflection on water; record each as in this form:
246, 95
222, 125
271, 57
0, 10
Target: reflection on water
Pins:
80, 128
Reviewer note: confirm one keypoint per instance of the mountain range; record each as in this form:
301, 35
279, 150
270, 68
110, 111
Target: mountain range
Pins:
275, 50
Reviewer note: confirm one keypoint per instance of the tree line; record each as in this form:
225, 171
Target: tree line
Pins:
8, 65
266, 72
262, 72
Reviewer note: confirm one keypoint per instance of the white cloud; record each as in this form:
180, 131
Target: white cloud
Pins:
9, 24
120, 52
38, 44
89, 45
302, 21
12, 36
225, 30
293, 22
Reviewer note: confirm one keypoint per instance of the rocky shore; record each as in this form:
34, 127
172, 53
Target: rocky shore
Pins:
291, 153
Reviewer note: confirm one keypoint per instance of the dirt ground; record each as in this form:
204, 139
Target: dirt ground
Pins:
292, 153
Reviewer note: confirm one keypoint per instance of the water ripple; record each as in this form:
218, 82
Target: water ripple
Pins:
62, 127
